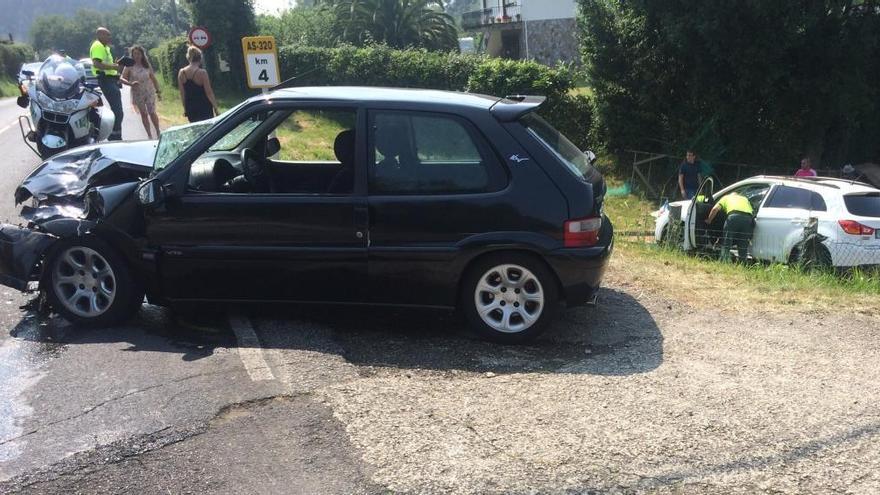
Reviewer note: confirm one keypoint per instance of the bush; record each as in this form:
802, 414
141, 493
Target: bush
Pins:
383, 66
12, 56
169, 57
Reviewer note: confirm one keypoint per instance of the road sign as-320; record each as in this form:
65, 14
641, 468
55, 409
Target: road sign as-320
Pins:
260, 61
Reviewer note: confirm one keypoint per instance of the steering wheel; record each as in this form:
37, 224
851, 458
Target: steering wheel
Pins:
256, 171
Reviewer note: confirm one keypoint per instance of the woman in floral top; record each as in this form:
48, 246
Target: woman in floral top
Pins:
144, 88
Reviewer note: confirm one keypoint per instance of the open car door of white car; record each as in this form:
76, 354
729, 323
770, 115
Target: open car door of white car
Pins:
698, 210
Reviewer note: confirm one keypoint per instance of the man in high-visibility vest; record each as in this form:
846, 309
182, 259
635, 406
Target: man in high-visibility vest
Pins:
739, 226
108, 77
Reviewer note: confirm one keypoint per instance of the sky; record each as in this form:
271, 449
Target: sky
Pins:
272, 6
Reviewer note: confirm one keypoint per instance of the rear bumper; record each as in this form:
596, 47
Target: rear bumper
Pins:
20, 250
580, 270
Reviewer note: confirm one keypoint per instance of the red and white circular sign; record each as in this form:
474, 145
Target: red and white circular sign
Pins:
199, 37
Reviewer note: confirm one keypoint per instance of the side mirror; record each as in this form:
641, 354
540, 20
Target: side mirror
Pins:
151, 193
22, 101
125, 61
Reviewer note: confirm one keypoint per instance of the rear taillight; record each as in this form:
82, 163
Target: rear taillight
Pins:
583, 232
852, 227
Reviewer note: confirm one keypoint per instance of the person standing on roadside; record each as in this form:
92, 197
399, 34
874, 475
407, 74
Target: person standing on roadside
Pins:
144, 88
690, 174
107, 71
195, 88
806, 169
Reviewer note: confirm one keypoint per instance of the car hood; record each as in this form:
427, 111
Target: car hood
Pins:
66, 177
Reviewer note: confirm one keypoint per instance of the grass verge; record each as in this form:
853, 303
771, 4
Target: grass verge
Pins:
8, 87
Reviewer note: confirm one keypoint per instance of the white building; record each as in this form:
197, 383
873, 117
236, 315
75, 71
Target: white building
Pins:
541, 30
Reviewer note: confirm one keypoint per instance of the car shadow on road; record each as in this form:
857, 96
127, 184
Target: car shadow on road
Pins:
154, 329
619, 337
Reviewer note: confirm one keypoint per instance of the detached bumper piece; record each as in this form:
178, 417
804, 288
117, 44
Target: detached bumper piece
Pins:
20, 249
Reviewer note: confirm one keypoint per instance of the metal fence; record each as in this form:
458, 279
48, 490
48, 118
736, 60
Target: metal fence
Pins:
806, 248
656, 174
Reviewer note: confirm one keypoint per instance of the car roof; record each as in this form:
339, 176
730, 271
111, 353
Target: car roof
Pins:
818, 184
402, 95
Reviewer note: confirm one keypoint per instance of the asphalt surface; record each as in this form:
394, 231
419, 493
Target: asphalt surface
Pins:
642, 394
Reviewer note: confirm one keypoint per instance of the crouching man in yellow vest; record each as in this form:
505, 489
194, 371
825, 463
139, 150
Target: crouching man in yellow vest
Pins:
739, 226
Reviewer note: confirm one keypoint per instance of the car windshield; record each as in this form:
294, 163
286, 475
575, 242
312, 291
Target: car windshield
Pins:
175, 140
559, 145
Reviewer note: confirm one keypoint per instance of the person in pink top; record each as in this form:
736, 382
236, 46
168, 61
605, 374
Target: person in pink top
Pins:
806, 169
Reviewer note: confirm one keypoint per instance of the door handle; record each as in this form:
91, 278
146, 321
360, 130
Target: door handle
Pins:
799, 221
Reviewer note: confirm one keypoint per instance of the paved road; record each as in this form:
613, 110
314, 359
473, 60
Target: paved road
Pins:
643, 394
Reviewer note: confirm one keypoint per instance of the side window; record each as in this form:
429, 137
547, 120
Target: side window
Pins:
310, 135
795, 197
817, 202
301, 151
424, 153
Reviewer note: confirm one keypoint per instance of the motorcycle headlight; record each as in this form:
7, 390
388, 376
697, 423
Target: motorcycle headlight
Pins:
63, 106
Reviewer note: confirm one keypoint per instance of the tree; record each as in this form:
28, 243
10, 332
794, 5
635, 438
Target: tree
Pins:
149, 22
396, 23
228, 21
73, 35
307, 26
752, 81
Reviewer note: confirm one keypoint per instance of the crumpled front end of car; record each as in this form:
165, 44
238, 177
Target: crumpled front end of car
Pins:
59, 195
21, 250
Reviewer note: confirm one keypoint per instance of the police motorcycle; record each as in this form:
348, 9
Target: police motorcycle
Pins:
66, 111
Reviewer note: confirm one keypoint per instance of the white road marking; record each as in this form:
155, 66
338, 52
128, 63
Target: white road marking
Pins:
249, 349
7, 127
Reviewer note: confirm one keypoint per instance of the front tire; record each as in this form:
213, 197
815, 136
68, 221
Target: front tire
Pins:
509, 298
89, 284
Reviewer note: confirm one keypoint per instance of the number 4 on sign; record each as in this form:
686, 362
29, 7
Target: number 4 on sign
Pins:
264, 76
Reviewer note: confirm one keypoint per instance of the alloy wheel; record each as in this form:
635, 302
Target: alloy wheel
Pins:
509, 298
84, 282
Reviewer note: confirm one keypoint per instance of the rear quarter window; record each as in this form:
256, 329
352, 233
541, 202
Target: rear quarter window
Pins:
863, 205
795, 197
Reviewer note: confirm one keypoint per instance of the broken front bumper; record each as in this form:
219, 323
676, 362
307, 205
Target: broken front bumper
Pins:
20, 251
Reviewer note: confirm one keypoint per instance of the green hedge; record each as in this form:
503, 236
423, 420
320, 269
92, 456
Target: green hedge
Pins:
383, 66
12, 55
169, 57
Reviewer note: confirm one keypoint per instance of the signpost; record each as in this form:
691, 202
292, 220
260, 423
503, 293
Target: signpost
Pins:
199, 37
260, 61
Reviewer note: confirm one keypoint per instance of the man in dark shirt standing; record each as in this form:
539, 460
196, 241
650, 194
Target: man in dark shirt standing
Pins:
689, 176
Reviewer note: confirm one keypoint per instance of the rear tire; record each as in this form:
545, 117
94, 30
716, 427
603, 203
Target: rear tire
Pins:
812, 256
509, 298
89, 283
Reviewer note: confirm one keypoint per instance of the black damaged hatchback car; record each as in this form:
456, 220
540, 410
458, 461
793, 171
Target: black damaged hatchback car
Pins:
340, 195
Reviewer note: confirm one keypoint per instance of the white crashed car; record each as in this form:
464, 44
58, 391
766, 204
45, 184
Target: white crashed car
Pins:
833, 221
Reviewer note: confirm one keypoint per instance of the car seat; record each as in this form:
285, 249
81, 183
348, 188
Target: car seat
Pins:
343, 148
